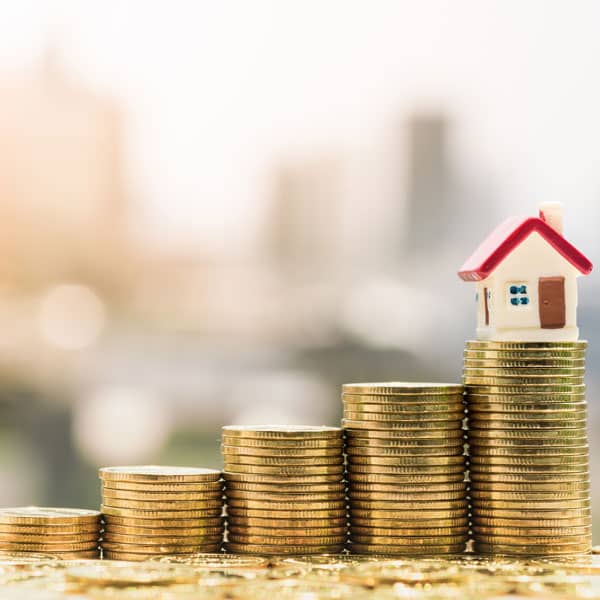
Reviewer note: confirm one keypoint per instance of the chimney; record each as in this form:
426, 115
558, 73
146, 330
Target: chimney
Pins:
552, 213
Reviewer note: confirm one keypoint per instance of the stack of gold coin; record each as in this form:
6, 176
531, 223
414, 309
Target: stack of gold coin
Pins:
528, 447
151, 510
406, 467
285, 490
66, 533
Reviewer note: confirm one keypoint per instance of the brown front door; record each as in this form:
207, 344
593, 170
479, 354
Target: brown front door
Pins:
552, 302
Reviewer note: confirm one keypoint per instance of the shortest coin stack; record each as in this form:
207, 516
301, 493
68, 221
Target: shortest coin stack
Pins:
149, 511
406, 468
66, 533
285, 490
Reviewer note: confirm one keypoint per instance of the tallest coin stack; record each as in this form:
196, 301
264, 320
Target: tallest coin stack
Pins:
528, 447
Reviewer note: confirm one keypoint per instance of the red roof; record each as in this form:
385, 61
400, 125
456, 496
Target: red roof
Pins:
507, 236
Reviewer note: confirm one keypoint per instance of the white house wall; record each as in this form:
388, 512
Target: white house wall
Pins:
532, 259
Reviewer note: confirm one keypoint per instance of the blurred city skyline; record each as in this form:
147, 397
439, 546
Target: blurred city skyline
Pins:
202, 135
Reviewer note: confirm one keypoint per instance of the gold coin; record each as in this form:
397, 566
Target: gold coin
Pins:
531, 532
528, 452
162, 497
30, 538
440, 550
536, 383
174, 532
520, 411
482, 497
404, 420
407, 426
410, 454
407, 496
389, 434
287, 532
527, 513
44, 547
547, 417
323, 488
338, 504
148, 550
406, 470
411, 478
528, 460
270, 479
282, 461
519, 390
362, 488
160, 514
534, 353
284, 470
234, 511
112, 575
23, 559
510, 469
477, 440
554, 486
162, 523
287, 541
163, 488
409, 532
85, 555
402, 403
110, 537
415, 505
535, 400
283, 432
528, 477
425, 461
210, 562
524, 363
160, 474
402, 524
513, 540
403, 410
500, 345
417, 542
409, 514
404, 446
290, 523
329, 444
531, 504
533, 523
37, 515
295, 453
532, 550
51, 530
517, 434
183, 505
126, 556
402, 387
285, 498
523, 425
275, 550
523, 372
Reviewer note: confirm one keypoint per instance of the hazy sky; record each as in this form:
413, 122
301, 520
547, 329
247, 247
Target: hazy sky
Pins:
217, 92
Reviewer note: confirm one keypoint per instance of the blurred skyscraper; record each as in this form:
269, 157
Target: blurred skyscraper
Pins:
306, 219
428, 198
63, 204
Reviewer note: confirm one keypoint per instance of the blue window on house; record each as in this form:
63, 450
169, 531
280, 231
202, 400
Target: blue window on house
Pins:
518, 294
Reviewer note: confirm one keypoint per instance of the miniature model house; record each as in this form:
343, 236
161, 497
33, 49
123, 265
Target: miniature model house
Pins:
525, 273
